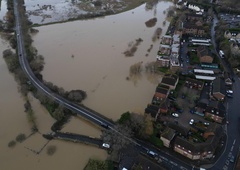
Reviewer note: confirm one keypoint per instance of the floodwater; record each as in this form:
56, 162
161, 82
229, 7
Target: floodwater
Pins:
13, 121
83, 55
88, 55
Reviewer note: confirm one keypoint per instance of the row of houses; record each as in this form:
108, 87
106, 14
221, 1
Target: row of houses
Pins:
169, 51
177, 137
182, 140
160, 102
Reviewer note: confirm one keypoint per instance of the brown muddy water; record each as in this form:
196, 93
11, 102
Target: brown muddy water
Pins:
83, 55
13, 121
88, 55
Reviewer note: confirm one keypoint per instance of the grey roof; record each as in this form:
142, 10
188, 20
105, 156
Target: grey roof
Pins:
180, 129
218, 86
216, 108
210, 144
203, 51
168, 133
170, 79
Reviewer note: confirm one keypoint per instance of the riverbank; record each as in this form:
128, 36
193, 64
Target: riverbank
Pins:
44, 13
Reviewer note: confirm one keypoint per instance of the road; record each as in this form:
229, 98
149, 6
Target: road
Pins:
233, 113
168, 159
76, 138
82, 111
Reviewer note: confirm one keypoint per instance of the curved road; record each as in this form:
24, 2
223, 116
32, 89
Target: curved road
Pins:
84, 112
170, 160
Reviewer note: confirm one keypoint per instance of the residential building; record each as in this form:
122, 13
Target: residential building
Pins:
204, 54
170, 80
201, 107
227, 79
194, 17
199, 151
163, 60
218, 89
164, 106
192, 29
167, 136
167, 40
161, 91
176, 39
153, 110
164, 50
180, 130
192, 83
216, 111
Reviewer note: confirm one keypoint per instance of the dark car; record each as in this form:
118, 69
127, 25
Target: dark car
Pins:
229, 95
171, 98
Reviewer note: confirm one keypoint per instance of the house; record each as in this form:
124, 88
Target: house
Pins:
164, 50
218, 89
192, 29
164, 106
175, 50
216, 111
227, 79
153, 110
199, 151
167, 136
187, 148
162, 91
176, 39
194, 17
192, 83
180, 130
170, 80
174, 64
163, 60
167, 40
204, 54
201, 107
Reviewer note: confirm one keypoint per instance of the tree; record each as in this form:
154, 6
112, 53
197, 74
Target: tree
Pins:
58, 113
118, 138
94, 164
124, 118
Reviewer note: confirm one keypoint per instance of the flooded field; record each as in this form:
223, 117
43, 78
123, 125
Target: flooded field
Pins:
88, 55
85, 55
42, 12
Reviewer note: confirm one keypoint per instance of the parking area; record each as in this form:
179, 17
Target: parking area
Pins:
181, 108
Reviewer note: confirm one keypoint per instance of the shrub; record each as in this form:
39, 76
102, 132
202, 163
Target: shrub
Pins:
11, 144
51, 150
21, 137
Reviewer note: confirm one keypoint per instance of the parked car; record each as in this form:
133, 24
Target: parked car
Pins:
206, 123
175, 114
232, 159
191, 122
105, 145
229, 91
229, 95
171, 98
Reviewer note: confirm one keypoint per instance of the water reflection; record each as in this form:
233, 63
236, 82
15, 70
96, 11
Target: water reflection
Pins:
99, 66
